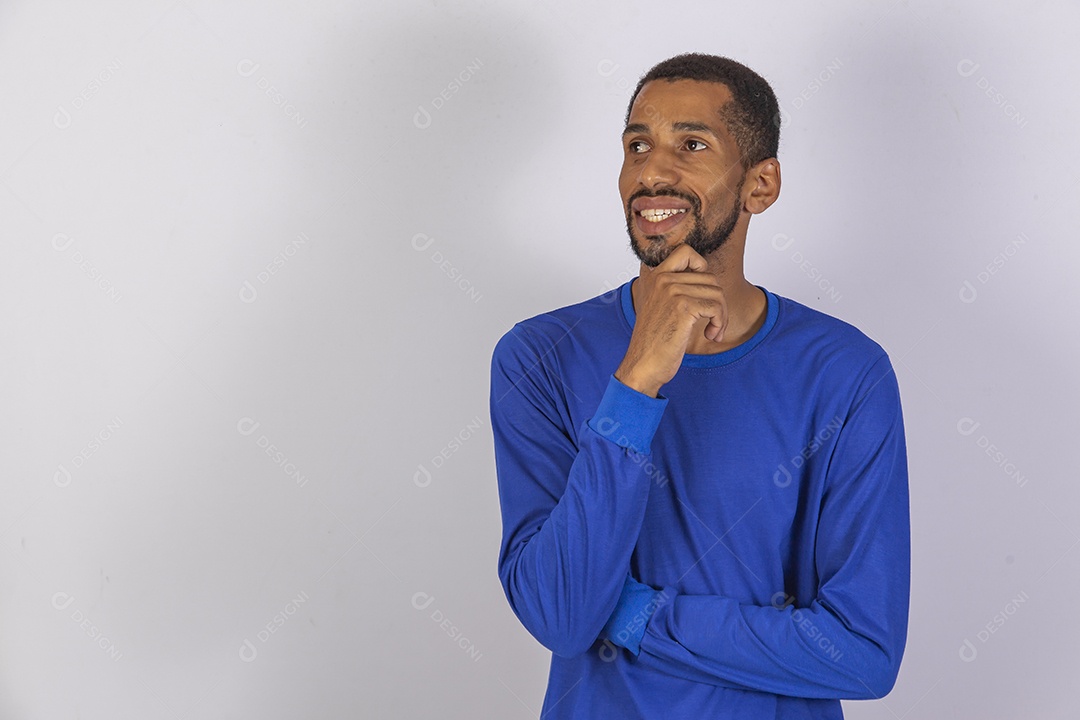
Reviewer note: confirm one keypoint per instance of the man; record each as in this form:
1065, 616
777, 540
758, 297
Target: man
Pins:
703, 484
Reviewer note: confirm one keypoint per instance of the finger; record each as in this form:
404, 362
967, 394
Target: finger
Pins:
703, 302
683, 257
716, 327
689, 277
704, 291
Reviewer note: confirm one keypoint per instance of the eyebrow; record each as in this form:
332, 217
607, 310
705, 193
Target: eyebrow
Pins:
634, 128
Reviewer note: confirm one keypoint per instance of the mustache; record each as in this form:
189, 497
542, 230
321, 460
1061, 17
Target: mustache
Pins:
695, 203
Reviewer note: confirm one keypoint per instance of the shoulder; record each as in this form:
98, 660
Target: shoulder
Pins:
594, 319
827, 342
836, 358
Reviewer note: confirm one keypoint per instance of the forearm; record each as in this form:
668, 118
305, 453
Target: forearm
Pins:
804, 652
563, 573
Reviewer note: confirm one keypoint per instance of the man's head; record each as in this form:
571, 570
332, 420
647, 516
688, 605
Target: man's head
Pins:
700, 142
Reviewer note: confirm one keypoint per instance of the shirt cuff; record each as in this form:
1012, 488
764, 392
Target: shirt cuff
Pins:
627, 417
627, 624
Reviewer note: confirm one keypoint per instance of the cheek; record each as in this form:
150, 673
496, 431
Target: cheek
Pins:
716, 201
626, 187
631, 166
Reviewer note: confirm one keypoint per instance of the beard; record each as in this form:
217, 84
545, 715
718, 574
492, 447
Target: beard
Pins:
704, 241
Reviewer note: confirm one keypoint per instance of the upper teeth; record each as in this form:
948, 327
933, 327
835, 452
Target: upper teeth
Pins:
658, 215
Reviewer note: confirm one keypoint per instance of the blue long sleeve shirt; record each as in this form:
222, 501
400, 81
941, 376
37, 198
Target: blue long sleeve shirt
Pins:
736, 547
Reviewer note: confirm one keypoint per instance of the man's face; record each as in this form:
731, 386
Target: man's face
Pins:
681, 172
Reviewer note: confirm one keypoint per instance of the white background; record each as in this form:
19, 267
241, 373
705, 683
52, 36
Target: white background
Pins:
235, 390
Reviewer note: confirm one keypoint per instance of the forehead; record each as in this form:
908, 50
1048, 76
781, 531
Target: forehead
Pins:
663, 102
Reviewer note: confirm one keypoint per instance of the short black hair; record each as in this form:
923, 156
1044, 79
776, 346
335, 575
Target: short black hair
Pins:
752, 116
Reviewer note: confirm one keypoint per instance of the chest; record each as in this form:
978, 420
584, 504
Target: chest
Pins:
738, 475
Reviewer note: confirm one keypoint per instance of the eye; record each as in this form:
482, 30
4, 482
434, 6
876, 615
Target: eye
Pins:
637, 146
691, 143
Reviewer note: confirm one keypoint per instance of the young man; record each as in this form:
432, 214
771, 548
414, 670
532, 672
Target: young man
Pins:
703, 484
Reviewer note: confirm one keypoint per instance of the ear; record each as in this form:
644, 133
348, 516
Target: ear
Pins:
761, 185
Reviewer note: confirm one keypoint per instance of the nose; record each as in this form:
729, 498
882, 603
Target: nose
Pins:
659, 170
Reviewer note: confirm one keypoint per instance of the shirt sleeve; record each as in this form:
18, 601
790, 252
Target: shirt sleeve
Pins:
571, 509
849, 641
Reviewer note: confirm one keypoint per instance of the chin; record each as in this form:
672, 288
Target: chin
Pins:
652, 252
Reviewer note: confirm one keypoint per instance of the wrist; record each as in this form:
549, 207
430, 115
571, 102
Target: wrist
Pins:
636, 381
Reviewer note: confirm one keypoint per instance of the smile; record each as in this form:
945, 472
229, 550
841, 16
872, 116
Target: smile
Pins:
660, 214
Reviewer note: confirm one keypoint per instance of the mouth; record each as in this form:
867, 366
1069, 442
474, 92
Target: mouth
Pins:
657, 221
